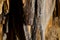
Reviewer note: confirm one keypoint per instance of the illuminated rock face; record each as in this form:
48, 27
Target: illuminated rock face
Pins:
53, 32
47, 7
29, 6
6, 8
1, 26
29, 11
1, 4
44, 13
47, 14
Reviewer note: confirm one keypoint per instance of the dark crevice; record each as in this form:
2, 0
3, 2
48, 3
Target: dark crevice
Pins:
16, 20
56, 8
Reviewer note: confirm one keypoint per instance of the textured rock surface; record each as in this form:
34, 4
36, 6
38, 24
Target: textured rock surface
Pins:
1, 32
45, 7
53, 32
